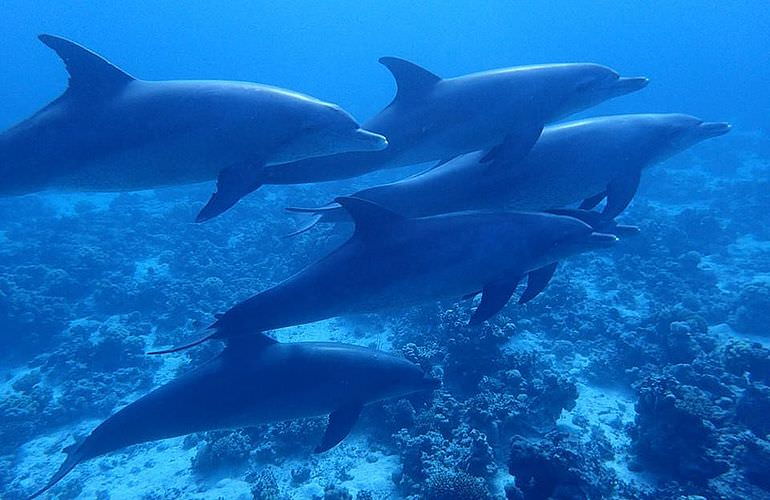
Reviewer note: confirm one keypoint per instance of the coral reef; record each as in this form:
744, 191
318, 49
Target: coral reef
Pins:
675, 320
752, 309
222, 449
457, 485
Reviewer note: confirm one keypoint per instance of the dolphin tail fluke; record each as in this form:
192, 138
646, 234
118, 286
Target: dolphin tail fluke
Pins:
74, 457
329, 213
332, 207
304, 210
185, 346
307, 227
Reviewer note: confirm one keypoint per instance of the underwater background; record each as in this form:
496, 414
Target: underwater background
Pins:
641, 372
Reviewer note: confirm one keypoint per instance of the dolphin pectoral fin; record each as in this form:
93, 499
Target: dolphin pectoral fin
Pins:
74, 457
332, 207
306, 227
412, 81
185, 346
341, 422
620, 192
493, 298
469, 296
513, 149
90, 74
233, 183
594, 200
597, 221
625, 230
537, 280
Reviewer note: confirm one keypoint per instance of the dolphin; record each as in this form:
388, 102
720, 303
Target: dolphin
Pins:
435, 119
112, 132
393, 261
256, 380
576, 162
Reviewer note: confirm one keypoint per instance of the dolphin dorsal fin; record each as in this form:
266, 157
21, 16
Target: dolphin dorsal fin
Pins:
90, 74
369, 217
413, 81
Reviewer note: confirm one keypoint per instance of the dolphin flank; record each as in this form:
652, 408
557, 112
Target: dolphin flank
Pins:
112, 132
393, 261
583, 161
257, 380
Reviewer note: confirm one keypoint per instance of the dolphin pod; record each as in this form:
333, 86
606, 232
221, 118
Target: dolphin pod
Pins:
256, 381
112, 132
578, 162
497, 207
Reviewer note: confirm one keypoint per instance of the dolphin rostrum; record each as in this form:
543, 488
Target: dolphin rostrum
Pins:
392, 261
583, 161
257, 380
112, 132
436, 119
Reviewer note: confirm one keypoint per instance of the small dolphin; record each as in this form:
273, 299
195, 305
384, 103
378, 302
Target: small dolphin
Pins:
436, 119
583, 161
392, 261
112, 132
257, 380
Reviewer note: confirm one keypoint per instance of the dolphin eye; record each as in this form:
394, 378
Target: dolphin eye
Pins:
674, 132
585, 85
308, 127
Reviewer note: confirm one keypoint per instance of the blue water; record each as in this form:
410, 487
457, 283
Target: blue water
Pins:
643, 372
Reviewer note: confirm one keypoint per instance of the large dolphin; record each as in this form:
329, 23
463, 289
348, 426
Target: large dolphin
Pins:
436, 119
257, 380
582, 161
392, 261
112, 132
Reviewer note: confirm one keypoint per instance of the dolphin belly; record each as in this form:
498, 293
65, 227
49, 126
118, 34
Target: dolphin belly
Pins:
212, 398
184, 160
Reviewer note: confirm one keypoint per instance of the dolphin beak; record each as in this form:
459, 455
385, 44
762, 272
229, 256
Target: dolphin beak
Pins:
602, 240
626, 85
714, 129
369, 141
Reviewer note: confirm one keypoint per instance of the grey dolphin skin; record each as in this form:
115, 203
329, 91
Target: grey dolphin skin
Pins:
436, 119
112, 132
392, 261
257, 380
583, 161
